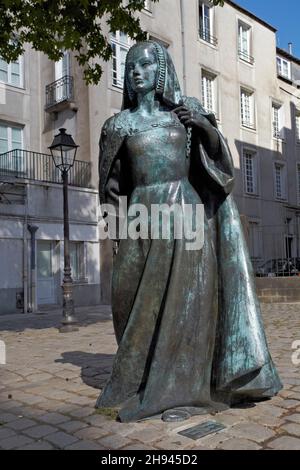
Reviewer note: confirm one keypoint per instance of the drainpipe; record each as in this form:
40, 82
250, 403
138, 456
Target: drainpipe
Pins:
183, 45
25, 255
33, 307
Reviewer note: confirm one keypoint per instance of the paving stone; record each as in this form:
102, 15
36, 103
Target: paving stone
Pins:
54, 418
7, 417
252, 431
14, 442
82, 412
285, 443
292, 428
21, 423
91, 432
293, 417
85, 445
72, 426
267, 420
38, 446
40, 431
61, 439
146, 435
6, 432
174, 443
239, 444
138, 446
114, 442
289, 404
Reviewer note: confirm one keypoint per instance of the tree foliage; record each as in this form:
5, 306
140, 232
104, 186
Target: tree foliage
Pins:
52, 26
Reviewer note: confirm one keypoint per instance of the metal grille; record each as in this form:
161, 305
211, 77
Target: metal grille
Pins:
60, 90
206, 36
40, 167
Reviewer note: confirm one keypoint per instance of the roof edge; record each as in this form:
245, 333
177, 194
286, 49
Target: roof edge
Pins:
251, 15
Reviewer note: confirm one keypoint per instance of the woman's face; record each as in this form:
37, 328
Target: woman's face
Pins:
142, 69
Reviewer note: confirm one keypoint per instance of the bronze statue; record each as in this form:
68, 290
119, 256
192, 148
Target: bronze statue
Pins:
187, 323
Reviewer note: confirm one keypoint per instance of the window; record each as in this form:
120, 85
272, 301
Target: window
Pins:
297, 125
247, 108
277, 121
77, 260
283, 68
206, 23
147, 5
62, 66
11, 138
245, 42
120, 43
63, 89
160, 41
12, 73
208, 92
279, 180
250, 172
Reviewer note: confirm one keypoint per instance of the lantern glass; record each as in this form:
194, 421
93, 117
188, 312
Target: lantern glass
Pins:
63, 150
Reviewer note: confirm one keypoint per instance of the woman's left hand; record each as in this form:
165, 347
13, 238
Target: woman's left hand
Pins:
188, 119
206, 130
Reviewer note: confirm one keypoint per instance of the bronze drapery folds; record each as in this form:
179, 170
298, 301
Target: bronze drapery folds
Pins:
188, 323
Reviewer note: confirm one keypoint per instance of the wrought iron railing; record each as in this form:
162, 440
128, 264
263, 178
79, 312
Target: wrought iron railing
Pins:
60, 90
204, 34
246, 57
40, 167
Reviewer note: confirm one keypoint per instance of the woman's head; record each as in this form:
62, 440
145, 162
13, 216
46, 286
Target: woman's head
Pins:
142, 68
149, 67
145, 68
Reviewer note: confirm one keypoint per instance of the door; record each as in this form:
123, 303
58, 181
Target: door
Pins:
45, 274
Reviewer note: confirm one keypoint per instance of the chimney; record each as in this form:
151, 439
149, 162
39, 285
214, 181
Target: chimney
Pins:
290, 48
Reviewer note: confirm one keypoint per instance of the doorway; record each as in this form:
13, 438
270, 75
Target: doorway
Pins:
46, 293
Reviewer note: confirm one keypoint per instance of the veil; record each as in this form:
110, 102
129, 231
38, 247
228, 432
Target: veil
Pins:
167, 83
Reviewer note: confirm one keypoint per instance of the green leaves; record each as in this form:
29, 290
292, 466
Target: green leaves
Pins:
53, 25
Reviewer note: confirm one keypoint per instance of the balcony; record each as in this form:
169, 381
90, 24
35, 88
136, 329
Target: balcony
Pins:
40, 167
60, 94
246, 57
204, 34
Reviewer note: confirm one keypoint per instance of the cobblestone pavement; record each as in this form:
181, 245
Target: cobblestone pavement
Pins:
51, 380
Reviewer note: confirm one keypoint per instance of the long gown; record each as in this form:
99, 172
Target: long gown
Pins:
173, 349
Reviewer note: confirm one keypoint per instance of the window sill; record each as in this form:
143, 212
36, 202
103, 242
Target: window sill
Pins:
280, 199
285, 79
118, 89
207, 43
251, 195
246, 62
147, 12
248, 128
20, 89
279, 139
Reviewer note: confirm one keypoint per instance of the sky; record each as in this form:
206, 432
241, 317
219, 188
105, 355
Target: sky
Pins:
283, 15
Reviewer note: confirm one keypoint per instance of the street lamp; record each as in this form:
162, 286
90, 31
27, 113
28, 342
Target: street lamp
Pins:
63, 151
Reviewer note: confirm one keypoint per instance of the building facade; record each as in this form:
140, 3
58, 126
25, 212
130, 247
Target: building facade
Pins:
225, 56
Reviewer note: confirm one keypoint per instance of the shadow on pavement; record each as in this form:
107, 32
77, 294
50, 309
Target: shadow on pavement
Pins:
52, 319
95, 368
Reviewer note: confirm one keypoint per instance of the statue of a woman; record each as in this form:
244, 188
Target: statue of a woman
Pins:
187, 322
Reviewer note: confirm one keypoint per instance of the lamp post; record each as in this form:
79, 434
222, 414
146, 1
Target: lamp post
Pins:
63, 150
